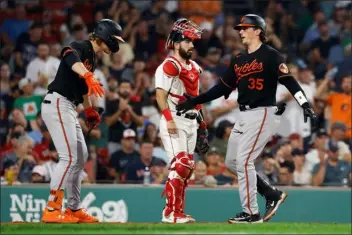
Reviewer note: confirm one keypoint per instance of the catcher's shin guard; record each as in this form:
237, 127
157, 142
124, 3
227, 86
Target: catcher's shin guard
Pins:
190, 156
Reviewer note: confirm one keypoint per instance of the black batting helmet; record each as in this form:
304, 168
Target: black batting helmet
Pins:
181, 30
110, 33
251, 20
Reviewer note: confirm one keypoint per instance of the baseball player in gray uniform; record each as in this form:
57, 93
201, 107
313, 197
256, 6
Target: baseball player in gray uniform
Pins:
255, 73
73, 84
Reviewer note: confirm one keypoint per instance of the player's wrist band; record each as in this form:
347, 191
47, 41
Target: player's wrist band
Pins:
167, 114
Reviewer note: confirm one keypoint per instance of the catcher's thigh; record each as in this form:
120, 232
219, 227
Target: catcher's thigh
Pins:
184, 141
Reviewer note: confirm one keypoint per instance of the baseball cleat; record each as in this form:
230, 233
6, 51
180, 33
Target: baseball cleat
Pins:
272, 206
56, 216
245, 218
82, 216
176, 218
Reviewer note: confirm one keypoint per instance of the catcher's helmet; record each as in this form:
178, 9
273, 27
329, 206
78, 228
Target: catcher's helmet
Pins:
110, 32
181, 30
251, 20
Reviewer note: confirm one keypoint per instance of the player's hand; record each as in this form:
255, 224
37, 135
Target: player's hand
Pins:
92, 117
202, 145
93, 85
171, 127
308, 112
185, 105
280, 108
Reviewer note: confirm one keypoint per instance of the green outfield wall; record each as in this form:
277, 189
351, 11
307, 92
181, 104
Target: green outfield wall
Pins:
113, 203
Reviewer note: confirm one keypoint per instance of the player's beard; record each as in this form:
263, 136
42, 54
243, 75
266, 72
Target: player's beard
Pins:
185, 54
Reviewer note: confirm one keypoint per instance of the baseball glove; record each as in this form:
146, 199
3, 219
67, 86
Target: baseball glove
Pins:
202, 145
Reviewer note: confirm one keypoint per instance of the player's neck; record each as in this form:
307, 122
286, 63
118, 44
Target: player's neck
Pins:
254, 46
95, 46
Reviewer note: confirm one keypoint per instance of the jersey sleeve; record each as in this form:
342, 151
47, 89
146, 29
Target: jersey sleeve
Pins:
74, 47
165, 74
229, 77
281, 69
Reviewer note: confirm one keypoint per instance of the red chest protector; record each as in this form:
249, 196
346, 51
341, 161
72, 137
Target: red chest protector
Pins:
190, 78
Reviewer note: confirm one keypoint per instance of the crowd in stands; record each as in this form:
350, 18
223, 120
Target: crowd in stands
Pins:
314, 36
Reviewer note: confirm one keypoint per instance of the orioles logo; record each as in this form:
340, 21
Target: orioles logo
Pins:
248, 68
242, 19
283, 68
87, 64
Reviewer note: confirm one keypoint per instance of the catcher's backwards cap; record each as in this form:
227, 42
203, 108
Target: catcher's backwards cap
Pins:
181, 30
110, 32
251, 20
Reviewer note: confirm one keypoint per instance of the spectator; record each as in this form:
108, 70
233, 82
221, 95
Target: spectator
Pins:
121, 158
206, 81
9, 174
206, 11
151, 14
332, 171
222, 135
302, 174
296, 141
117, 65
313, 32
4, 123
122, 113
340, 102
158, 171
150, 133
55, 50
268, 167
150, 109
11, 28
26, 47
135, 169
283, 150
42, 173
224, 109
214, 164
320, 49
41, 151
29, 103
201, 177
5, 79
42, 69
318, 149
16, 131
209, 39
212, 62
142, 40
22, 155
337, 135
286, 173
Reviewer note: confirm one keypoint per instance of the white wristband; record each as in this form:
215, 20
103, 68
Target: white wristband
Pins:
301, 99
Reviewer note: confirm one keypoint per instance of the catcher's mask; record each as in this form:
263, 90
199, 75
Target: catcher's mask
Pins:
181, 30
110, 33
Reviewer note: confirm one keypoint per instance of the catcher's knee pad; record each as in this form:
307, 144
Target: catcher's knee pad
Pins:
183, 165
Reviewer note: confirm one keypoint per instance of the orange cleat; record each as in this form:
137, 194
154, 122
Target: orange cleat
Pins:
82, 215
56, 216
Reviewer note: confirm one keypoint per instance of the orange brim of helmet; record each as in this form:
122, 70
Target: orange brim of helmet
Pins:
239, 26
119, 38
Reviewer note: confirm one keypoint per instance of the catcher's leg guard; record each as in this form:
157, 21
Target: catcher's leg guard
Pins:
181, 169
190, 156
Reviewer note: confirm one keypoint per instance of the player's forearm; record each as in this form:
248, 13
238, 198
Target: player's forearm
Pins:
79, 68
295, 89
215, 92
318, 178
161, 98
86, 102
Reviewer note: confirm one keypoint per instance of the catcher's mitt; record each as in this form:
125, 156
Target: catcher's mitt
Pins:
202, 145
